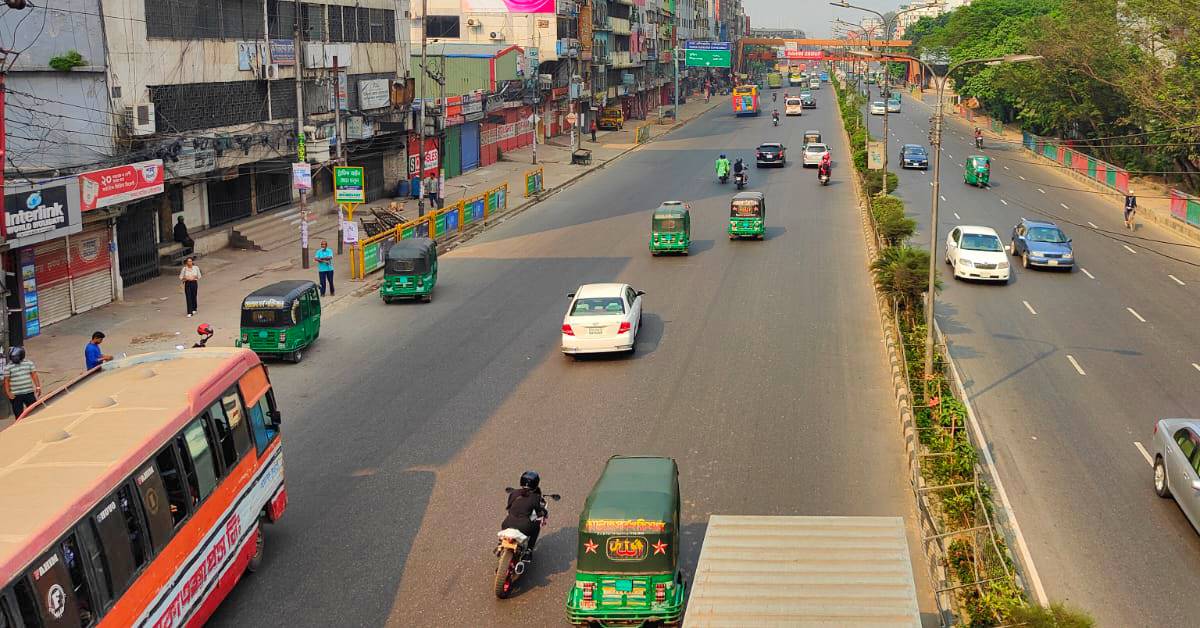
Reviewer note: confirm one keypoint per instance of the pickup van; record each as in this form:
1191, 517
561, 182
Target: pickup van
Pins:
611, 119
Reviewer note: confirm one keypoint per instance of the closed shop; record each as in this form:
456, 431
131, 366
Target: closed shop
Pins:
470, 146
272, 186
229, 200
453, 151
136, 244
90, 267
376, 183
53, 282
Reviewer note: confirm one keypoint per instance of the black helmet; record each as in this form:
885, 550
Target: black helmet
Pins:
16, 355
530, 479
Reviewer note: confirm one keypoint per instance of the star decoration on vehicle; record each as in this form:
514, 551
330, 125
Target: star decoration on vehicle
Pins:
590, 547
659, 548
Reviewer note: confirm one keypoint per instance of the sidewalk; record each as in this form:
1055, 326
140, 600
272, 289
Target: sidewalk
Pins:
152, 317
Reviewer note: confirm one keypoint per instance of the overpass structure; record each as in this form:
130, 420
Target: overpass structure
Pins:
816, 49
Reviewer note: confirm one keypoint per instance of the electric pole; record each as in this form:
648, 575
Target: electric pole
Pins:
421, 110
337, 133
300, 149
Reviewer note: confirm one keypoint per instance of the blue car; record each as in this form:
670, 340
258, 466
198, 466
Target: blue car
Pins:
914, 156
1041, 243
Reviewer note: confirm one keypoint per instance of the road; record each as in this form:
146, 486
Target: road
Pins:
1069, 371
760, 368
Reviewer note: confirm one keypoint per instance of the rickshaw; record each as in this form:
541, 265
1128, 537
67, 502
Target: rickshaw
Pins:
748, 215
977, 170
671, 229
410, 271
282, 319
627, 573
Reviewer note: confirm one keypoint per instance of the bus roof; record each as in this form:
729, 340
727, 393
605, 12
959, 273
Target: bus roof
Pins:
70, 451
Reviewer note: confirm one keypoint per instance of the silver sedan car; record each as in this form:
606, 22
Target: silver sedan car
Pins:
1176, 452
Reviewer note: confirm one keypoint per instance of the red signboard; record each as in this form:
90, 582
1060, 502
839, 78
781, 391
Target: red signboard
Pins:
113, 186
804, 54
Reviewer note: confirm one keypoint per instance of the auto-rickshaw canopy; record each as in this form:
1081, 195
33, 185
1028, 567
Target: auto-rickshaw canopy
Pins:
747, 205
412, 256
670, 219
277, 304
629, 523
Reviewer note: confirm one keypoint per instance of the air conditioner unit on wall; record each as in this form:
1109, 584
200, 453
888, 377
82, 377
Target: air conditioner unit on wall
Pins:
496, 36
474, 22
140, 119
270, 71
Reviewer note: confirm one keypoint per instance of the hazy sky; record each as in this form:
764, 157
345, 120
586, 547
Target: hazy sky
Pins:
811, 16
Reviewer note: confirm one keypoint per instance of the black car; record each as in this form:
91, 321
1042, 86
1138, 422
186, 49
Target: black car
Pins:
770, 154
914, 156
808, 101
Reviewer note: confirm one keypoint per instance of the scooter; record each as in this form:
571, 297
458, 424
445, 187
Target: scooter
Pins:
775, 119
740, 179
823, 177
979, 142
512, 548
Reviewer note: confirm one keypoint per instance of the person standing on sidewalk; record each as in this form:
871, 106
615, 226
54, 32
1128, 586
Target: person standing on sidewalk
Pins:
92, 355
1130, 210
190, 276
324, 259
592, 127
21, 383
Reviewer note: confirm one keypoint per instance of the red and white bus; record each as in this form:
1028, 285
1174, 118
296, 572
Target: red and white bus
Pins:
136, 495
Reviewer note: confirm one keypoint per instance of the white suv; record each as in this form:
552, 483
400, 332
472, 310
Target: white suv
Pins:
814, 153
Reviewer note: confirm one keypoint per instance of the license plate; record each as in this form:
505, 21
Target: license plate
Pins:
595, 331
1052, 262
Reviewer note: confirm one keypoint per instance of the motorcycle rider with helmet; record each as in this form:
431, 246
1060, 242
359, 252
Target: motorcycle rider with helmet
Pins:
205, 331
825, 169
722, 167
527, 508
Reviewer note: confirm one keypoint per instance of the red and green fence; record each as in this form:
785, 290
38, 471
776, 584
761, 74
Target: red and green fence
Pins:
1102, 172
1185, 207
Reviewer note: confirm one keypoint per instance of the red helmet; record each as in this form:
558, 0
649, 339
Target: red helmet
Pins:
204, 329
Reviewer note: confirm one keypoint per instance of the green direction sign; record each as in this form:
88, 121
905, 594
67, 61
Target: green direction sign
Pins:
349, 185
707, 58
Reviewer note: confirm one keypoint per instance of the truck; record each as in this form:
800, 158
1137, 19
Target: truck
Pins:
803, 571
774, 80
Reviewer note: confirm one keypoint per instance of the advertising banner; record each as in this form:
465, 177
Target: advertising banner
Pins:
113, 186
302, 176
508, 6
43, 213
804, 54
349, 185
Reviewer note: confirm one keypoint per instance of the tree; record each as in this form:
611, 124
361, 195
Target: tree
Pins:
902, 274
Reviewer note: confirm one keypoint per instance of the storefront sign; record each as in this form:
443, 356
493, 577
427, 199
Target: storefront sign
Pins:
283, 51
431, 161
114, 186
194, 162
29, 295
40, 214
349, 185
302, 176
803, 54
359, 128
374, 93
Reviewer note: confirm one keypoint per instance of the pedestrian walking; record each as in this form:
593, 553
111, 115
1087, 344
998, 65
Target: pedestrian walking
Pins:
1130, 210
324, 259
190, 276
92, 355
592, 126
21, 383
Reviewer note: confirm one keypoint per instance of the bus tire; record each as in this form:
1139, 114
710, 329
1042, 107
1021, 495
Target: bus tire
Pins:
257, 558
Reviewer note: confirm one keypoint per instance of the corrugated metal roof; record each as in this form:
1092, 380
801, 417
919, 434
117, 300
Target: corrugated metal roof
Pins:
803, 571
463, 50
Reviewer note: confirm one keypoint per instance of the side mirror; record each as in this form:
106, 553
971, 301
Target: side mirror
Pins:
570, 295
640, 292
554, 496
1196, 485
1068, 240
509, 489
276, 416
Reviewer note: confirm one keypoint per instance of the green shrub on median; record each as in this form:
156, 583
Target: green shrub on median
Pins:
872, 179
890, 221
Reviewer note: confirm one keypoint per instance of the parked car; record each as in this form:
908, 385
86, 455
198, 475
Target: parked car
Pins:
914, 156
1175, 449
1041, 243
977, 253
770, 154
878, 108
602, 317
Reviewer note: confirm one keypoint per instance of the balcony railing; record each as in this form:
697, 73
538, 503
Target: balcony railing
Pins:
619, 26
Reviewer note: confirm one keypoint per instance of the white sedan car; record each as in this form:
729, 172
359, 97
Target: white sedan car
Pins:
878, 108
814, 153
602, 318
977, 253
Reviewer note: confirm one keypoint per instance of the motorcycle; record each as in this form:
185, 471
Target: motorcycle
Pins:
979, 142
740, 180
775, 119
514, 553
823, 177
723, 179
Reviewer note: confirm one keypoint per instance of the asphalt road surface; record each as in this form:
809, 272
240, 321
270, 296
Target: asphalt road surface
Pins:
1069, 371
760, 368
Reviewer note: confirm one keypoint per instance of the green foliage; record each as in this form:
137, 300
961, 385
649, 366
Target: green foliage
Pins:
873, 179
902, 274
65, 62
890, 221
1054, 616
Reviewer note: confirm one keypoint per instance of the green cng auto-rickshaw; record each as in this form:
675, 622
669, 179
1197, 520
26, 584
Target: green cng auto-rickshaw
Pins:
977, 170
748, 215
627, 572
410, 271
671, 229
281, 319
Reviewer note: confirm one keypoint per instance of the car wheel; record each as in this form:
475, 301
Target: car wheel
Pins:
1025, 259
1160, 478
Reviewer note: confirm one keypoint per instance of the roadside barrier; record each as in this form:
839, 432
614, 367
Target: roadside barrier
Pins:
437, 223
534, 182
642, 135
1104, 173
1185, 207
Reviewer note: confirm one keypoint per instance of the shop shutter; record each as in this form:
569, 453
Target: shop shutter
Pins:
137, 245
53, 281
470, 146
91, 268
452, 153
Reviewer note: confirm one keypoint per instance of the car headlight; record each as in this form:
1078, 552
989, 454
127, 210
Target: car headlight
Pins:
965, 263
1002, 265
1068, 255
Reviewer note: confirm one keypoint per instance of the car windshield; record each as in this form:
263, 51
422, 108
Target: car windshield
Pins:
915, 151
793, 101
877, 103
981, 242
1047, 234
598, 306
816, 148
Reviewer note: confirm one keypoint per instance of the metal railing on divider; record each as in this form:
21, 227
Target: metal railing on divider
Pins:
534, 181
437, 223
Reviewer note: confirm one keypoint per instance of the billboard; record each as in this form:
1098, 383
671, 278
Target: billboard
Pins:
122, 184
508, 6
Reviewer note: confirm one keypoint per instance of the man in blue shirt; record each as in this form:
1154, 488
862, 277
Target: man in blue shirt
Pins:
92, 355
324, 258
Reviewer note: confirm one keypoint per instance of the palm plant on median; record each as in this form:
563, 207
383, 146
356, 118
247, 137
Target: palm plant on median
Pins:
902, 274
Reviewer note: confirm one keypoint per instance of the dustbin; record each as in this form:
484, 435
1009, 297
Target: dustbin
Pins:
402, 188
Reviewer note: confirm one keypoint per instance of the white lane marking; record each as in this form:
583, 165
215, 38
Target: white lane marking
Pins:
1079, 369
1094, 226
951, 157
943, 200
1176, 280
1030, 308
1196, 366
931, 184
1145, 454
1129, 249
1022, 177
1135, 314
1085, 271
956, 217
1041, 190
1006, 167
1064, 206
1004, 201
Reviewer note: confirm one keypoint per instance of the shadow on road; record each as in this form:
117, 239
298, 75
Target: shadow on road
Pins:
555, 555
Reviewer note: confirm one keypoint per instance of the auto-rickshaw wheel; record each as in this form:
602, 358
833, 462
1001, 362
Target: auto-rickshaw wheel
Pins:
296, 356
427, 298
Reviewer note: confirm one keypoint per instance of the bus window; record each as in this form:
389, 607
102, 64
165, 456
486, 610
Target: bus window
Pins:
7, 619
27, 603
156, 505
114, 549
133, 526
79, 582
171, 473
229, 418
263, 423
200, 461
101, 578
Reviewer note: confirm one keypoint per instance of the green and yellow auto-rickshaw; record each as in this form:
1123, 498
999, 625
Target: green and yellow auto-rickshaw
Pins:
627, 572
748, 215
410, 271
977, 170
282, 319
671, 229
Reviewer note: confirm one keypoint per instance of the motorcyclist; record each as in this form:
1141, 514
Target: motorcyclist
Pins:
205, 331
978, 137
739, 166
527, 508
722, 166
775, 116
826, 167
